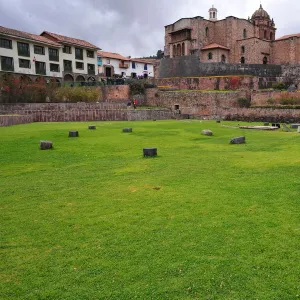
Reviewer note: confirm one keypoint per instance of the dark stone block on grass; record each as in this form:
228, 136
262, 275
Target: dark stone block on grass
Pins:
92, 127
46, 145
218, 121
150, 152
266, 124
73, 134
127, 129
207, 132
238, 140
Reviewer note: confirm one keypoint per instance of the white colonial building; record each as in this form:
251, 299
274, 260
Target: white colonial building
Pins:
112, 64
48, 55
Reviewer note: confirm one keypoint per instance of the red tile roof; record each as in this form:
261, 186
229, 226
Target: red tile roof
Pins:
112, 55
69, 40
288, 36
145, 60
214, 46
27, 36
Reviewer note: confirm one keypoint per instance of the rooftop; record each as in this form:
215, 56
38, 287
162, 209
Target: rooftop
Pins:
112, 55
69, 40
288, 36
27, 36
214, 46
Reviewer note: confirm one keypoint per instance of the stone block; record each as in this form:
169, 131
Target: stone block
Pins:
73, 134
295, 126
276, 125
238, 140
127, 129
207, 132
92, 127
266, 124
46, 145
150, 152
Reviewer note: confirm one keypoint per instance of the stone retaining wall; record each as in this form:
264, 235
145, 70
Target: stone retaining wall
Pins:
260, 114
77, 112
260, 98
15, 120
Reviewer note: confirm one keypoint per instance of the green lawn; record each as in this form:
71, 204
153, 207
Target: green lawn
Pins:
93, 219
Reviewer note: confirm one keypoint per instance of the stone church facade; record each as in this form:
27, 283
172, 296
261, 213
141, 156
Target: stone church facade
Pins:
232, 40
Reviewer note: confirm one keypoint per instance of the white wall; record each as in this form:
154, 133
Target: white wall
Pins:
139, 67
45, 58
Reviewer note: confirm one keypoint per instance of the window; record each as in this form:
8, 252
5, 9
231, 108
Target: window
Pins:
244, 33
242, 60
145, 67
4, 43
54, 67
265, 34
24, 63
223, 58
99, 61
214, 15
265, 60
79, 65
39, 50
91, 69
183, 49
243, 49
7, 63
40, 68
23, 49
206, 31
210, 56
78, 53
67, 49
108, 61
53, 54
67, 65
271, 36
90, 54
133, 65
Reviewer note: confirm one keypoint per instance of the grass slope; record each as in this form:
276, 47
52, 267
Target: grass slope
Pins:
93, 219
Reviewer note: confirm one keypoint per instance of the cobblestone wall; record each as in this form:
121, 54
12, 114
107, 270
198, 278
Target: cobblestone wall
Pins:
15, 120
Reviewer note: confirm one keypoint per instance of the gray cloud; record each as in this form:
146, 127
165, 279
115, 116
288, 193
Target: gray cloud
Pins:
131, 27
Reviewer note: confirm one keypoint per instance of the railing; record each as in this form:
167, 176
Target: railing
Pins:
6, 67
53, 58
123, 66
22, 52
40, 71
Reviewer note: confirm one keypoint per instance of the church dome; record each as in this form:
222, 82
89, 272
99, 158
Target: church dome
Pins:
261, 13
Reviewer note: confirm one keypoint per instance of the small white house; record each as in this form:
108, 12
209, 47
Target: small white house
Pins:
112, 64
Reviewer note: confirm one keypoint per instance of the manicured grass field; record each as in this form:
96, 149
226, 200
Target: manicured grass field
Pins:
93, 219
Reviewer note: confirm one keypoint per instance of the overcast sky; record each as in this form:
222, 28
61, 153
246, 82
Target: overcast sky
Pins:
132, 27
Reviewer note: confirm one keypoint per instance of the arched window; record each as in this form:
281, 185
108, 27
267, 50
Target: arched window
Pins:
243, 49
223, 59
178, 50
244, 33
265, 34
214, 15
210, 56
265, 60
242, 60
183, 49
174, 51
206, 31
271, 36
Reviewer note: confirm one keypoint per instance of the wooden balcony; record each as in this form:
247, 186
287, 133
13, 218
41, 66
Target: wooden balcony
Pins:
123, 66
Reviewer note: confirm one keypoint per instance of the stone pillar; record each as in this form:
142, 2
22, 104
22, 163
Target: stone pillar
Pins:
171, 51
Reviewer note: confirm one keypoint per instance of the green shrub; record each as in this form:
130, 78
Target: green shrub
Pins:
271, 101
243, 102
78, 94
279, 86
